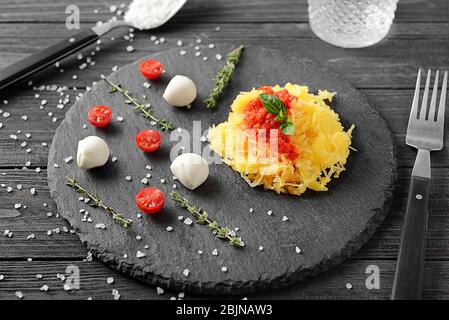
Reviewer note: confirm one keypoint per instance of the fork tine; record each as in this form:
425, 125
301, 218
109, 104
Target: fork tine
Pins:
442, 105
414, 111
433, 100
422, 116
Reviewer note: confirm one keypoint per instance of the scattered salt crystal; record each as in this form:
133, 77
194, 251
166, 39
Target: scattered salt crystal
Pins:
215, 252
218, 56
144, 181
186, 272
298, 249
119, 118
68, 159
130, 48
44, 288
179, 43
182, 52
188, 221
162, 180
251, 210
128, 178
348, 286
19, 294
260, 248
115, 294
140, 254
169, 228
159, 290
110, 280
33, 191
224, 269
284, 218
200, 252
269, 212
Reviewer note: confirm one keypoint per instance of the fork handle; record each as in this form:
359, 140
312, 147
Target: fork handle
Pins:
410, 266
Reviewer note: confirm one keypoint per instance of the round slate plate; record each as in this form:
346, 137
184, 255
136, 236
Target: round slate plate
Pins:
328, 226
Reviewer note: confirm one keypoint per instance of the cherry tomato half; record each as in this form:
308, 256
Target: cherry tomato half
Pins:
100, 116
150, 200
148, 140
151, 69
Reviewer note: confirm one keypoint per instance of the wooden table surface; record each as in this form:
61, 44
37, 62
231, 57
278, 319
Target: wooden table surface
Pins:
385, 73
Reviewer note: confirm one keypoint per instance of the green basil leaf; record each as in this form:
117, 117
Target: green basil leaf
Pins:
271, 103
287, 127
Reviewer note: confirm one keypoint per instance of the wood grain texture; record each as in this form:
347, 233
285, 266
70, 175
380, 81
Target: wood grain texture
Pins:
21, 275
418, 37
212, 11
393, 105
390, 64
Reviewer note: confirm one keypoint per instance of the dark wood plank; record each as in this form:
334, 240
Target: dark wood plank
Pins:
390, 64
383, 245
200, 11
93, 282
394, 106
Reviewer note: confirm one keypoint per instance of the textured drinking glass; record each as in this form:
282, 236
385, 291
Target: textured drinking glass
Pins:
351, 23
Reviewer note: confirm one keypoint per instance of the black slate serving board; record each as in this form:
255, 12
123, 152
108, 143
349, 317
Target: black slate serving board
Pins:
328, 227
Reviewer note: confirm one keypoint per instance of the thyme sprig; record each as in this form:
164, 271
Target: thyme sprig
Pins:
224, 76
145, 109
203, 219
96, 202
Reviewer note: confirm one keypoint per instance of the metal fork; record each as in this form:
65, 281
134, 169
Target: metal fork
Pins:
425, 133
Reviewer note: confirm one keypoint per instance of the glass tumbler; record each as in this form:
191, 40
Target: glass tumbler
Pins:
351, 23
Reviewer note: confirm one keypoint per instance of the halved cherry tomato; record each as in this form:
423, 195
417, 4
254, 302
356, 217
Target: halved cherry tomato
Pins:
150, 200
148, 140
151, 69
100, 116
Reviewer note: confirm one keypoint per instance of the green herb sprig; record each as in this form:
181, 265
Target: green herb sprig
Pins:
203, 219
224, 76
145, 109
275, 106
96, 202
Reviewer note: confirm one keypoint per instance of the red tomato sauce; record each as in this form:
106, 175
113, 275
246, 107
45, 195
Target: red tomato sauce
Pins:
256, 117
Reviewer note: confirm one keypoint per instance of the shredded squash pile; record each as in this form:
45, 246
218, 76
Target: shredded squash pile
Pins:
322, 143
